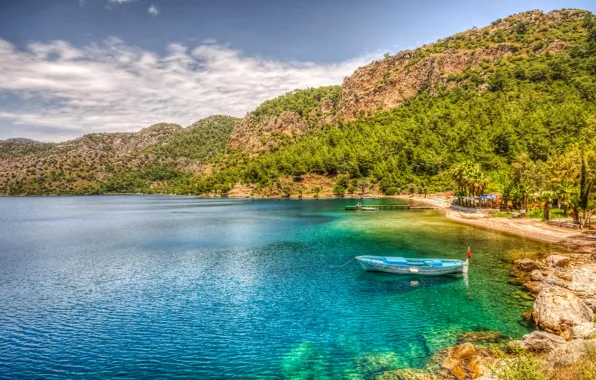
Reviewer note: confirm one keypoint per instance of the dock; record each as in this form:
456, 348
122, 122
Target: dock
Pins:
390, 207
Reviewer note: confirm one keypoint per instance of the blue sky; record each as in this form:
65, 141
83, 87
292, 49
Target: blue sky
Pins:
80, 66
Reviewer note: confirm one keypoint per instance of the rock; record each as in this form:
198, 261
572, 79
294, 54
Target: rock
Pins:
563, 276
557, 309
536, 275
591, 302
554, 261
583, 330
527, 265
463, 351
527, 315
459, 372
533, 286
537, 341
569, 353
483, 336
464, 361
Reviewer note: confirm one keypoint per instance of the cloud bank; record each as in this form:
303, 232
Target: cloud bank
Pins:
66, 91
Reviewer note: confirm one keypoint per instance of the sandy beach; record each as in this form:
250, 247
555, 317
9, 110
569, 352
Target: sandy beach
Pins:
580, 241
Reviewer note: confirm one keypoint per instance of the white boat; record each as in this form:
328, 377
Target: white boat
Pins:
405, 266
367, 208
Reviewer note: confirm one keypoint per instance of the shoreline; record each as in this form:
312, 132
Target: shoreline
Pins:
576, 240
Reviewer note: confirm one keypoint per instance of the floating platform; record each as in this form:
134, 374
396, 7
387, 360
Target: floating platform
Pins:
390, 207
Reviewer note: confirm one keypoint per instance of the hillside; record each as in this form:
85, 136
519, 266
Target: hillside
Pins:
522, 89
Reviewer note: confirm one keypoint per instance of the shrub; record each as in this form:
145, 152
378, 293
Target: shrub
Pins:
523, 367
391, 191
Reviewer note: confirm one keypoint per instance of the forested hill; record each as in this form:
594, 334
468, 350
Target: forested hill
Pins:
519, 93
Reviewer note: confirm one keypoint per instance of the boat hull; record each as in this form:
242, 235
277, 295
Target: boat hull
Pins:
377, 265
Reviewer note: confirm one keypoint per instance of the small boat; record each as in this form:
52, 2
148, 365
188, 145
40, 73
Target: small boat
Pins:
421, 267
367, 208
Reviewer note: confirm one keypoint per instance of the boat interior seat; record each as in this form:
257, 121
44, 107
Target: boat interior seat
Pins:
396, 260
434, 263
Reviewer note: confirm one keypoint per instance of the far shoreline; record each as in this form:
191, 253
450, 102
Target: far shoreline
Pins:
575, 240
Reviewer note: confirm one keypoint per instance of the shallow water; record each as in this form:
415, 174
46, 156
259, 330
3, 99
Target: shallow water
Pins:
157, 286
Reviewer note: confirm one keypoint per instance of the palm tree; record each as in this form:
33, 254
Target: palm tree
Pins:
564, 192
547, 197
522, 192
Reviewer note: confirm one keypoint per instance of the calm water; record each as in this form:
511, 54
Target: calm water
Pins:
156, 286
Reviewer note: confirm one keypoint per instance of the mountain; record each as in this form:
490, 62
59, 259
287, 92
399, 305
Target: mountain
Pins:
522, 88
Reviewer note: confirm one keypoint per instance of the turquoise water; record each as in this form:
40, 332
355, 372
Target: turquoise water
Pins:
157, 286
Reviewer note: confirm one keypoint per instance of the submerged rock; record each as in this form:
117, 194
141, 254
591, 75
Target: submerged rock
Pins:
369, 364
306, 362
557, 309
482, 337
406, 374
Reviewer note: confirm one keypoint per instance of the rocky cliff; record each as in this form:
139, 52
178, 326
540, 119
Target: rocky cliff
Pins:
387, 83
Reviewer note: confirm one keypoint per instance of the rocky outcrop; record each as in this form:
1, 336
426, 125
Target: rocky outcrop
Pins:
557, 310
569, 353
538, 341
527, 265
466, 361
388, 83
254, 135
559, 261
580, 280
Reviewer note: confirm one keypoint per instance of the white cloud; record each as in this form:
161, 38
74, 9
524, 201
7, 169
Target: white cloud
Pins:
122, 1
111, 86
153, 11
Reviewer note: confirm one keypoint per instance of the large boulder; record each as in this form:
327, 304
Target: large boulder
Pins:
580, 280
557, 309
527, 265
538, 341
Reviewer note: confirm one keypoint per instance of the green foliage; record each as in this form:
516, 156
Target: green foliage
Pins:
204, 141
141, 180
305, 103
341, 186
524, 366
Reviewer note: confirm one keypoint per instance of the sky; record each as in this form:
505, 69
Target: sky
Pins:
71, 67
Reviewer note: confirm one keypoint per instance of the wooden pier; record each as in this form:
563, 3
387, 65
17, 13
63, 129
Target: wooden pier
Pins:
390, 207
